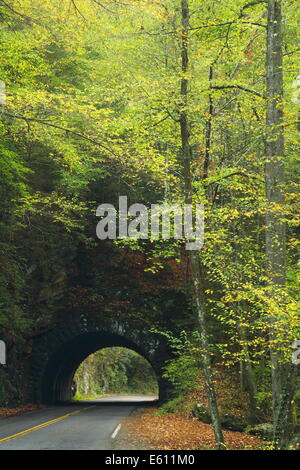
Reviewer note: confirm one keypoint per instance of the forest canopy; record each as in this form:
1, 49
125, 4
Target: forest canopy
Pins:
164, 101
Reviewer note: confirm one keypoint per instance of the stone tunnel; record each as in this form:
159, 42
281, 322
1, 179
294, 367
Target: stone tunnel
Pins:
58, 353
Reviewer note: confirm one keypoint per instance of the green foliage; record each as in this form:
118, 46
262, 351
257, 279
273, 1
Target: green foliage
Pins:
184, 369
171, 406
92, 113
114, 371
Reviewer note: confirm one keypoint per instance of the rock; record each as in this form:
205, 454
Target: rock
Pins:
264, 430
202, 413
233, 422
228, 421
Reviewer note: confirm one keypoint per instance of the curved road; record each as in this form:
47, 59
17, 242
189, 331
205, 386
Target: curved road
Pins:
88, 425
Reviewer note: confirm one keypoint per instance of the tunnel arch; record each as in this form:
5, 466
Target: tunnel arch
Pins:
58, 353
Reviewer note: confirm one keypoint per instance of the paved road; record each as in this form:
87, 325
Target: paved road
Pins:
89, 425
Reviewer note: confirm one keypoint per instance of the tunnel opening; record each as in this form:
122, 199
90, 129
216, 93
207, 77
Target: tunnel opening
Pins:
58, 378
116, 374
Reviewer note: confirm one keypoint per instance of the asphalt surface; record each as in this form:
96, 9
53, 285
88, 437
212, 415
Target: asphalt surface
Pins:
88, 425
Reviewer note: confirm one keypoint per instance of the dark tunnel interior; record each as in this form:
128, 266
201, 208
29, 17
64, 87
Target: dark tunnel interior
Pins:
61, 367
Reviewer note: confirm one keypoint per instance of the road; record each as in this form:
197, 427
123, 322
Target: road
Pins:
87, 425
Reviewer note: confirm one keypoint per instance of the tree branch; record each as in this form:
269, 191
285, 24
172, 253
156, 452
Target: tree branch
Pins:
26, 18
239, 87
55, 126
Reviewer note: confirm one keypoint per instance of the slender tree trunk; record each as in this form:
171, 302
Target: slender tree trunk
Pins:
282, 389
274, 147
282, 432
197, 278
86, 378
248, 383
208, 129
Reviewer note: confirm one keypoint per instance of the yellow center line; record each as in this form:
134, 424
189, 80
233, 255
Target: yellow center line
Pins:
43, 425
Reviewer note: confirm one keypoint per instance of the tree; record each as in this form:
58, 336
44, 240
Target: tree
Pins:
274, 150
283, 372
196, 274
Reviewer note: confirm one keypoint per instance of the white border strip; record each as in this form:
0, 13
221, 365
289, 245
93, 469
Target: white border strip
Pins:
114, 434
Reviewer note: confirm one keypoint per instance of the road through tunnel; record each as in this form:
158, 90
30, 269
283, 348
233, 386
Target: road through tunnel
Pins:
58, 354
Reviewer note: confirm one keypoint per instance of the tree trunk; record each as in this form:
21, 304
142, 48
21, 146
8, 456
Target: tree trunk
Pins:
86, 378
282, 390
208, 129
248, 383
196, 274
282, 432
